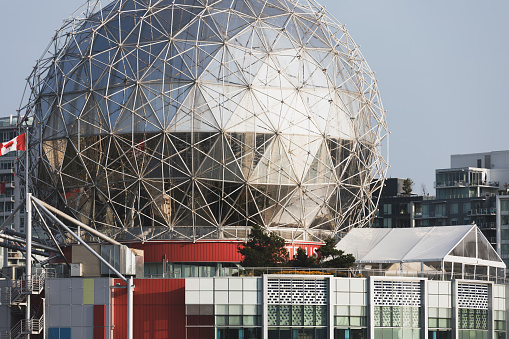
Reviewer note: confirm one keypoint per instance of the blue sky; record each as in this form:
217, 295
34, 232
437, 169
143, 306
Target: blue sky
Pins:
442, 67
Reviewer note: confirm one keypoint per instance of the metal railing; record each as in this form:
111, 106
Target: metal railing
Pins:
16, 331
364, 272
341, 272
34, 326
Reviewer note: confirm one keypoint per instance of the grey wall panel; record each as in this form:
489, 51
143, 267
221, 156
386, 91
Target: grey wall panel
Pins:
88, 315
82, 332
53, 292
5, 316
76, 291
65, 292
101, 291
76, 315
65, 315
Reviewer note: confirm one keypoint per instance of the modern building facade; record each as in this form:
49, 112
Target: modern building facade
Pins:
496, 162
502, 209
463, 297
11, 190
465, 194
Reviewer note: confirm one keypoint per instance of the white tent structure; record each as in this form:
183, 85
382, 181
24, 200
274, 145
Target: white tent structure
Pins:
459, 251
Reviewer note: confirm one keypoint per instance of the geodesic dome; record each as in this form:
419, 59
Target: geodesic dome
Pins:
195, 119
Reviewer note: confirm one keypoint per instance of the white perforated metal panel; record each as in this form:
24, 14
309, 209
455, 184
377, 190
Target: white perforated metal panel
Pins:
297, 291
473, 296
397, 293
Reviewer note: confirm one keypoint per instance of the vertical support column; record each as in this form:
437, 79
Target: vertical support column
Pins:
28, 257
265, 320
330, 309
424, 308
371, 308
491, 310
6, 257
44, 318
498, 226
454, 310
130, 302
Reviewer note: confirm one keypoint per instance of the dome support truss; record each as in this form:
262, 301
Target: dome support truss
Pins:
197, 119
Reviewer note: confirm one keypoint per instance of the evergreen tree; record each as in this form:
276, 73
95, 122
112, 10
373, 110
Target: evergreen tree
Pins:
263, 249
331, 257
301, 259
407, 186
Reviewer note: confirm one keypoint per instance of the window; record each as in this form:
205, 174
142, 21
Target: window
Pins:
466, 207
440, 210
425, 211
387, 223
387, 209
504, 205
504, 220
454, 208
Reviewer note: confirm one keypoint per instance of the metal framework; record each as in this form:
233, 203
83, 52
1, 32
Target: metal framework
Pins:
196, 119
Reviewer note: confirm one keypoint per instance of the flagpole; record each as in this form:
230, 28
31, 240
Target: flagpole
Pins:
28, 218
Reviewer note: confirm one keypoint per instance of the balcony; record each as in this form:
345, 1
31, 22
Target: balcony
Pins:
441, 184
445, 184
482, 211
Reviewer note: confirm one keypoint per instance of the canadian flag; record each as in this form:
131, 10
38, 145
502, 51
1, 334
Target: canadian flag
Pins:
16, 144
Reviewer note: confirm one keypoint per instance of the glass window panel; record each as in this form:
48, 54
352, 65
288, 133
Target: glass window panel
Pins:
207, 309
341, 321
358, 310
408, 333
321, 315
387, 333
309, 315
357, 321
386, 316
396, 317
285, 315
250, 320
433, 312
221, 320
250, 309
444, 312
432, 322
377, 316
397, 333
272, 315
415, 317
471, 319
407, 317
444, 323
235, 320
297, 315
235, 309
252, 333
342, 310
193, 309
221, 309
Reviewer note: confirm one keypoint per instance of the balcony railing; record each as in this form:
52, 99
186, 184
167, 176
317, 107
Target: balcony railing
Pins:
483, 211
441, 184
351, 273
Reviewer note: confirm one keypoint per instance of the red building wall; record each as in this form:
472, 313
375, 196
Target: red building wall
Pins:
159, 309
219, 251
225, 251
